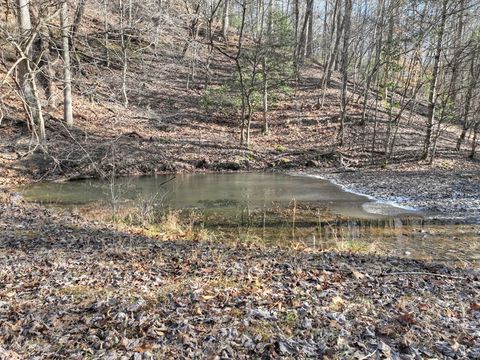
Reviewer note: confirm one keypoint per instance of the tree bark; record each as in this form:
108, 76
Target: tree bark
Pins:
345, 60
468, 99
310, 30
457, 51
77, 20
123, 43
474, 140
265, 95
325, 33
432, 93
47, 74
225, 19
26, 75
338, 26
105, 30
67, 76
303, 34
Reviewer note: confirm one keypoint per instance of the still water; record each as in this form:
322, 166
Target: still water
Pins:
276, 209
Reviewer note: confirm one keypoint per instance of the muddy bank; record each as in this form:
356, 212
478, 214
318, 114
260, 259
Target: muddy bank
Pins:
72, 288
446, 195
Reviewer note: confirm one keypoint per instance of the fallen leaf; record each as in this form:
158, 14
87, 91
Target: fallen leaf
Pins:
407, 319
423, 307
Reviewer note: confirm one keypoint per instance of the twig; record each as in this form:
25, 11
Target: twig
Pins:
7, 75
369, 355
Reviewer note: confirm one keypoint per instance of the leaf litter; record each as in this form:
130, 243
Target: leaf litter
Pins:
71, 288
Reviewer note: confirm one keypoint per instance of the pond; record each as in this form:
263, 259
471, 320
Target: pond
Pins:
275, 209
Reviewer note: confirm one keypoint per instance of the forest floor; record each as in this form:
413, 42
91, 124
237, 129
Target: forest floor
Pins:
77, 289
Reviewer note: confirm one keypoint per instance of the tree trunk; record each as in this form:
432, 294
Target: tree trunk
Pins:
240, 73
249, 120
325, 33
372, 76
338, 26
67, 77
296, 10
123, 40
265, 96
310, 30
457, 51
225, 19
474, 140
335, 59
432, 94
47, 74
345, 60
303, 33
468, 99
77, 20
26, 75
105, 30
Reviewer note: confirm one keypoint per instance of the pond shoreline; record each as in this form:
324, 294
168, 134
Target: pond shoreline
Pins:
447, 195
75, 288
438, 195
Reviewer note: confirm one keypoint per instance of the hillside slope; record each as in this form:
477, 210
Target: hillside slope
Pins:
166, 129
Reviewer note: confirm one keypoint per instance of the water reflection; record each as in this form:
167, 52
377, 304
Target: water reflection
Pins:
317, 228
276, 209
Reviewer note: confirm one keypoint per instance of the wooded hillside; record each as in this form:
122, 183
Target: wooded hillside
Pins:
152, 86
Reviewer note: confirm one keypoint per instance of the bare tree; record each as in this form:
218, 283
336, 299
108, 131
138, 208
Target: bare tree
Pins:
226, 19
124, 47
345, 61
432, 93
67, 76
26, 70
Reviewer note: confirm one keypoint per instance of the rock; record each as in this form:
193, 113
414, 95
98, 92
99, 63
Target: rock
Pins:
121, 316
285, 163
262, 314
247, 342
